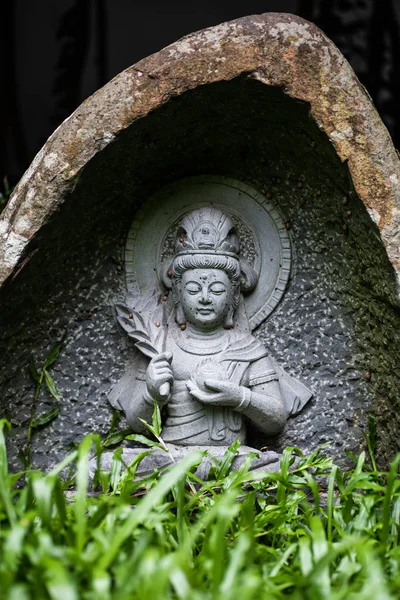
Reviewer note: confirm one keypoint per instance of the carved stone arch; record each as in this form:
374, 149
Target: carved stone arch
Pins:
276, 49
267, 100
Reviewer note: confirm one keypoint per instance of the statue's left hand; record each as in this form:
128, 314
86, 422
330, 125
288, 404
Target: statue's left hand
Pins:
221, 393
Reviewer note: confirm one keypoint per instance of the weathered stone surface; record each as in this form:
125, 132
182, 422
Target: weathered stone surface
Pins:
268, 100
278, 50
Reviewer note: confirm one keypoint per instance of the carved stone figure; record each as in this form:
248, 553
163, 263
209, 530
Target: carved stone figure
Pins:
206, 371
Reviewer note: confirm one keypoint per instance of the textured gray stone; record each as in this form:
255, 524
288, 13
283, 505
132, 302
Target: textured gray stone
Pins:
275, 49
264, 239
267, 100
198, 359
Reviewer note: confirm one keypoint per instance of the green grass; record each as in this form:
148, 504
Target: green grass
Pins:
308, 532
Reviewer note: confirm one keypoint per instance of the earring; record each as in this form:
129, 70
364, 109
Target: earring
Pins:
229, 324
179, 315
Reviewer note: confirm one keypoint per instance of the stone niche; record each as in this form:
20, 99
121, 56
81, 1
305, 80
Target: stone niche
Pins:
267, 100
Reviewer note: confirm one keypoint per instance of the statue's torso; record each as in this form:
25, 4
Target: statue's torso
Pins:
189, 422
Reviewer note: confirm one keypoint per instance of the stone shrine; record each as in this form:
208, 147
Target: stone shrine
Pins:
229, 205
206, 369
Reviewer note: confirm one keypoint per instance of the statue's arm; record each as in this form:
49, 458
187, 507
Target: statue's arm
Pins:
140, 406
129, 394
263, 402
152, 384
258, 396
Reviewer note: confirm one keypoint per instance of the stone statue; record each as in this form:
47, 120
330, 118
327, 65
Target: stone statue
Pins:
207, 372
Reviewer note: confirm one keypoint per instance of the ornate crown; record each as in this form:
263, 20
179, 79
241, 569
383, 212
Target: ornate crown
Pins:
207, 230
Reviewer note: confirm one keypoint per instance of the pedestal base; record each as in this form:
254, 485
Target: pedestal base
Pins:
265, 461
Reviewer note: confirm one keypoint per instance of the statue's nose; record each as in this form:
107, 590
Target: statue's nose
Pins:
205, 298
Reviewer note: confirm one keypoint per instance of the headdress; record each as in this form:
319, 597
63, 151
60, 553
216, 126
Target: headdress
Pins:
207, 230
210, 234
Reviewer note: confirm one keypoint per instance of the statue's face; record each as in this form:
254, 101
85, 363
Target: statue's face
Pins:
206, 297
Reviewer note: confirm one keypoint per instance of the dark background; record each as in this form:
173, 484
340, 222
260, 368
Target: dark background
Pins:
55, 54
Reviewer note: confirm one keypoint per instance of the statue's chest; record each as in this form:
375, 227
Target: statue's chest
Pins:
185, 363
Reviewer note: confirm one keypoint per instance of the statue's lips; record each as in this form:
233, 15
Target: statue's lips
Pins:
205, 311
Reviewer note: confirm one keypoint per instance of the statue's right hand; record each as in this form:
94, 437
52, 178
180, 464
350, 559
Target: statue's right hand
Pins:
158, 374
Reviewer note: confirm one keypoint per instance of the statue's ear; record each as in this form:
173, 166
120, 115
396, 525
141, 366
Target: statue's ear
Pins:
179, 315
248, 276
229, 319
236, 296
165, 273
229, 322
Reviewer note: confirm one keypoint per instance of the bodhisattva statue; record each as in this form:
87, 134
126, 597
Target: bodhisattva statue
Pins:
207, 372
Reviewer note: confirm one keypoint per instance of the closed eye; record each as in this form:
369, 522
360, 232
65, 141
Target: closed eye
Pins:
217, 290
193, 289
